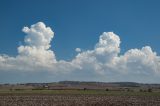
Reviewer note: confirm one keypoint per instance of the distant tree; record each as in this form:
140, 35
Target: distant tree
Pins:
84, 89
127, 89
107, 89
140, 90
149, 90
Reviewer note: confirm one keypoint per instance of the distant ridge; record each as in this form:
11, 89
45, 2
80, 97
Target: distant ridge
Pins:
89, 84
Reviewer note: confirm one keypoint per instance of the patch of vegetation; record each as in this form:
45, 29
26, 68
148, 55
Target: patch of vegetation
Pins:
81, 92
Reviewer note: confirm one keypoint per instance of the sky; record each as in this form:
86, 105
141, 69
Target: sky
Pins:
85, 40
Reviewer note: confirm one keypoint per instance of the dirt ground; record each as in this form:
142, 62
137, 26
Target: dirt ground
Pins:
78, 100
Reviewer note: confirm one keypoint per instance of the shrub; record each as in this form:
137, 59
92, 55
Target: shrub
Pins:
84, 89
140, 90
149, 90
107, 89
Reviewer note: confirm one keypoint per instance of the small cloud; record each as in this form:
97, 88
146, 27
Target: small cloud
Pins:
78, 50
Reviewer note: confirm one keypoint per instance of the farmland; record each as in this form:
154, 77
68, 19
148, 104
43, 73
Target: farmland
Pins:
81, 94
78, 100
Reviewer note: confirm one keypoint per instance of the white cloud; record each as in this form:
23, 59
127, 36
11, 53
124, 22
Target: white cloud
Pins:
38, 35
78, 50
105, 60
143, 61
103, 63
35, 54
108, 47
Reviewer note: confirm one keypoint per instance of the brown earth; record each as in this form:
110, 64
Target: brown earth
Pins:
78, 100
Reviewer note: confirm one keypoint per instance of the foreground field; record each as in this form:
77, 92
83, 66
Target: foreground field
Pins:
78, 100
75, 93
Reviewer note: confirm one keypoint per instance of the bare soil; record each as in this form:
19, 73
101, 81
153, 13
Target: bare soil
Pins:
78, 100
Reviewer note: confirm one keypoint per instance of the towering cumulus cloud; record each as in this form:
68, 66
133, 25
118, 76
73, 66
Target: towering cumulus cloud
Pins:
37, 46
35, 53
103, 63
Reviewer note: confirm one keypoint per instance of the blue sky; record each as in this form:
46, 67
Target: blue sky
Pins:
79, 23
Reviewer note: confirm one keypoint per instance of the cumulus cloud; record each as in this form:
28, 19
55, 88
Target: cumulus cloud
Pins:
105, 60
103, 63
142, 61
78, 50
38, 35
35, 54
